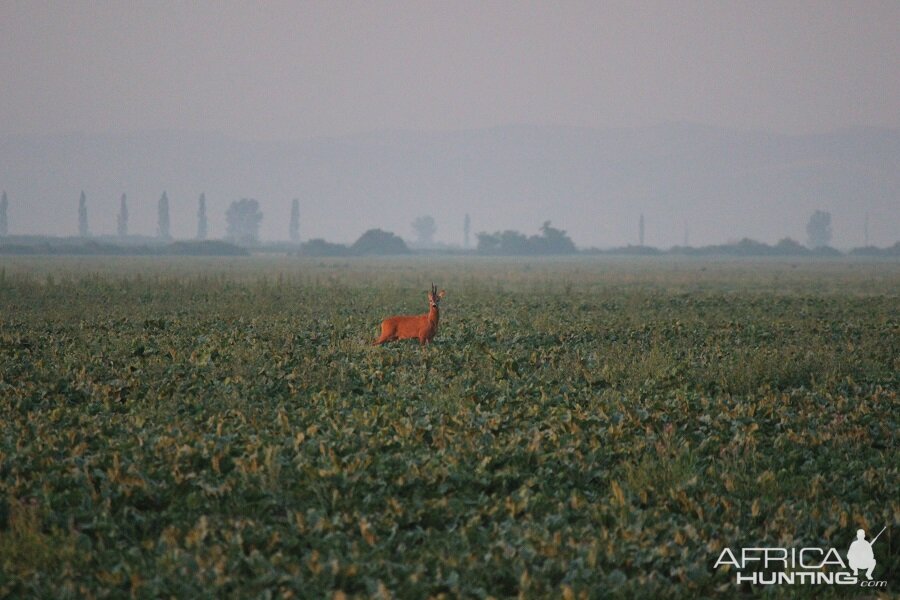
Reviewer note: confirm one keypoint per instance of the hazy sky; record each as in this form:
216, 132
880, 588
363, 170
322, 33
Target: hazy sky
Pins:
292, 70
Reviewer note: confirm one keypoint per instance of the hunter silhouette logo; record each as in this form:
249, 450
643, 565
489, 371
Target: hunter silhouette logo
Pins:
807, 565
860, 555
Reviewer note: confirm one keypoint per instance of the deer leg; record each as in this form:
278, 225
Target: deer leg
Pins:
386, 335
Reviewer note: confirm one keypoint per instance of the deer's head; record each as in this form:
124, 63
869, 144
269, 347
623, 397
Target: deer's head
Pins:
434, 297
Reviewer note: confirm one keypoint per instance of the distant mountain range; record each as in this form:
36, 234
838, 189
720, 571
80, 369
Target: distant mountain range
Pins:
717, 184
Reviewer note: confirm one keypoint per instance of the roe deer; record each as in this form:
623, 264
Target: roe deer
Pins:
420, 327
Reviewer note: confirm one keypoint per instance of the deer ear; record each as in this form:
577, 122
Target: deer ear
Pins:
442, 293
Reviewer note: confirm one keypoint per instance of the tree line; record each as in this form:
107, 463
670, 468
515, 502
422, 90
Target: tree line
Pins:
243, 218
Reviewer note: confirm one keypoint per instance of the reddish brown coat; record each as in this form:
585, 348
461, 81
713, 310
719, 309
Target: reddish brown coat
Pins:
420, 327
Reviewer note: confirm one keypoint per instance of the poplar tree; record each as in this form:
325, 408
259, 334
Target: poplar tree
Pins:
122, 219
201, 217
83, 230
4, 204
163, 227
294, 226
467, 227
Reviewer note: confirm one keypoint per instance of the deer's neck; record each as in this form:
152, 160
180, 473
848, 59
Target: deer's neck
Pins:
433, 315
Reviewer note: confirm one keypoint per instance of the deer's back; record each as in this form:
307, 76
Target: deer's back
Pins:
406, 326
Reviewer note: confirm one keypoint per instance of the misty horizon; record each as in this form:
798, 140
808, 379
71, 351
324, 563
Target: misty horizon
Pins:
715, 121
720, 185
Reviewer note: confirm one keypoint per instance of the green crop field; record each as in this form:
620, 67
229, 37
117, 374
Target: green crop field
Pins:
579, 428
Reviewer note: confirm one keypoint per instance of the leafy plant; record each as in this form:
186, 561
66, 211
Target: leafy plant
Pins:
177, 427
